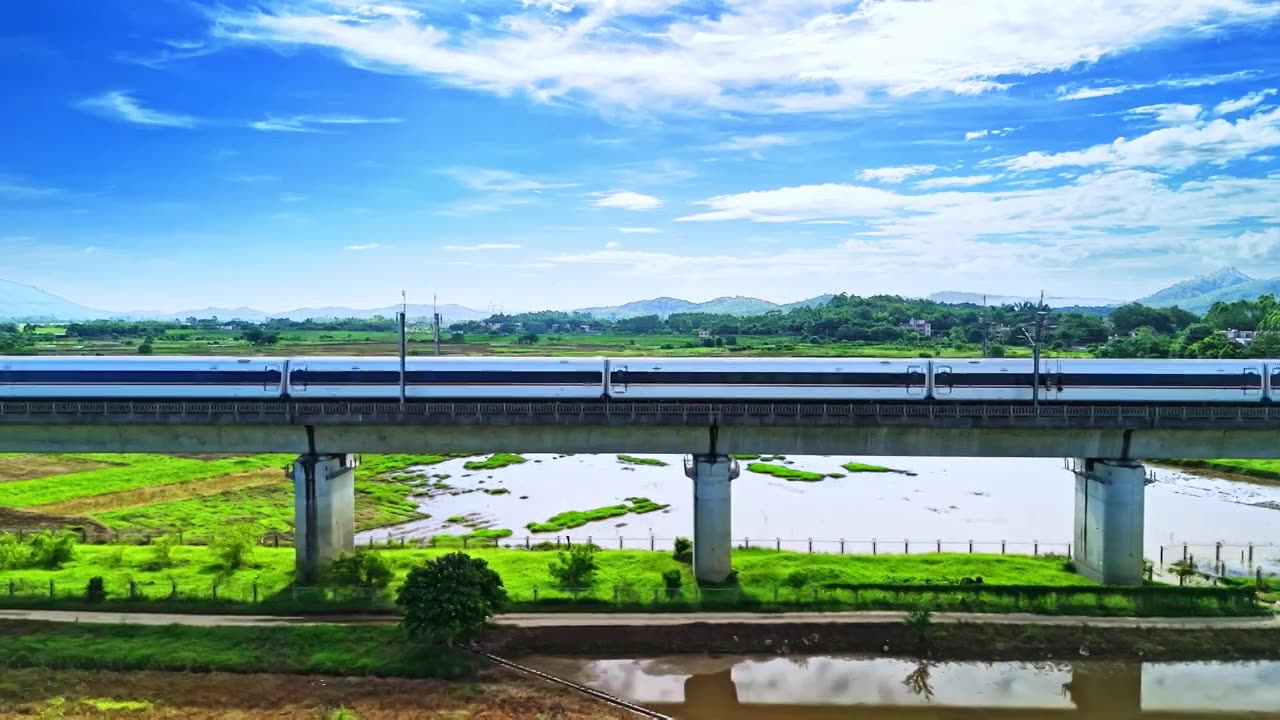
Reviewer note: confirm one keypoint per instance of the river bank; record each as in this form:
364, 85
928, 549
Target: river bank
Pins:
196, 579
491, 693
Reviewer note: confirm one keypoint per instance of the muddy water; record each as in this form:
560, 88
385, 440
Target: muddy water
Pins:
814, 688
955, 500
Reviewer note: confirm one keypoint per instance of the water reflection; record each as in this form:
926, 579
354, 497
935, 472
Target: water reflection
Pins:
815, 688
949, 499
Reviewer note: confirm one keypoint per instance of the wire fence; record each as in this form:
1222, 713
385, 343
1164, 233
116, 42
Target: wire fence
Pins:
653, 595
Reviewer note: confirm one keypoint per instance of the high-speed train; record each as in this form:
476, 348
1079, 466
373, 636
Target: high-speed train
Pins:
643, 379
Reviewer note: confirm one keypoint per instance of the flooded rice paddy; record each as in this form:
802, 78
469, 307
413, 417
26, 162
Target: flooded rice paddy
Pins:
1018, 501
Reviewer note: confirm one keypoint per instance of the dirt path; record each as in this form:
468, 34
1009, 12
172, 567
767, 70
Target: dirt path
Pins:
579, 620
157, 494
31, 467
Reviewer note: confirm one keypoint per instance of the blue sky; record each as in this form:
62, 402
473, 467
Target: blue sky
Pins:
176, 154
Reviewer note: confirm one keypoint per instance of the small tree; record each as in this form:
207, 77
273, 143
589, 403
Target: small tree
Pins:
162, 552
449, 599
575, 569
96, 591
146, 348
234, 546
683, 550
360, 569
673, 581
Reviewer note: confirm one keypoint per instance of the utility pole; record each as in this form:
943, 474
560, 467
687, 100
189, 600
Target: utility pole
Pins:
1041, 314
404, 347
986, 326
435, 321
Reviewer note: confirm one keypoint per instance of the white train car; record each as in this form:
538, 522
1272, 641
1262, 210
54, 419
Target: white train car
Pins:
105, 378
985, 380
447, 378
1156, 381
1101, 381
807, 379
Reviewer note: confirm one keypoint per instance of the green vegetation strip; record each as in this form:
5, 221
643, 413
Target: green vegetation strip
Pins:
578, 518
1263, 469
302, 649
141, 471
495, 461
625, 580
786, 473
632, 460
856, 467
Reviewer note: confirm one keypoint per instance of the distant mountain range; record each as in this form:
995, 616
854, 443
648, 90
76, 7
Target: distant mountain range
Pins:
25, 302
665, 306
1200, 293
967, 298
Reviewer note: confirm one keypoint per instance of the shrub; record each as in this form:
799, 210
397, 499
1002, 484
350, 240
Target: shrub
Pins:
96, 591
576, 568
920, 620
234, 546
684, 550
360, 569
1069, 566
449, 599
14, 554
797, 580
162, 552
673, 580
50, 550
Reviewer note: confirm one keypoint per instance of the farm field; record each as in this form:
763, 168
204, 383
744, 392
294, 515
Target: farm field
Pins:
371, 343
195, 496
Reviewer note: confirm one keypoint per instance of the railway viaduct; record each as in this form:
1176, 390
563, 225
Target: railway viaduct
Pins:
1108, 443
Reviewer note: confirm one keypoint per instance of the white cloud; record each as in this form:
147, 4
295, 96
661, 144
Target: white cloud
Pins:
1169, 113
895, 174
317, 123
366, 246
642, 230
481, 246
499, 181
955, 181
288, 197
753, 55
1067, 92
753, 142
253, 179
1217, 141
612, 245
16, 188
627, 200
1247, 102
1259, 244
994, 132
120, 105
1100, 210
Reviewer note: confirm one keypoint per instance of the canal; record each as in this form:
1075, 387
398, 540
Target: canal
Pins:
822, 687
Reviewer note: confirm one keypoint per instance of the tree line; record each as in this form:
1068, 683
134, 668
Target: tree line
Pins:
1132, 330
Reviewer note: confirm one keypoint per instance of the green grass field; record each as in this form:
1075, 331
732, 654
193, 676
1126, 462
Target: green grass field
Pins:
1261, 469
578, 518
303, 649
626, 579
198, 496
633, 460
141, 471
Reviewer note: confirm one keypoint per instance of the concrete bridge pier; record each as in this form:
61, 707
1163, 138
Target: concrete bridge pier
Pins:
712, 477
1110, 502
324, 504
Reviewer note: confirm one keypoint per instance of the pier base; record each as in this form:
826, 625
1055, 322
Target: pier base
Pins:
1110, 502
712, 477
324, 511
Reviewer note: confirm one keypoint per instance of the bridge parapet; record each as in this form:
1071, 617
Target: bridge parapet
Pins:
614, 414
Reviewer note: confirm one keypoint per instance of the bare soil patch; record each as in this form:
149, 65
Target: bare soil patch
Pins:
493, 695
30, 467
24, 520
157, 494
